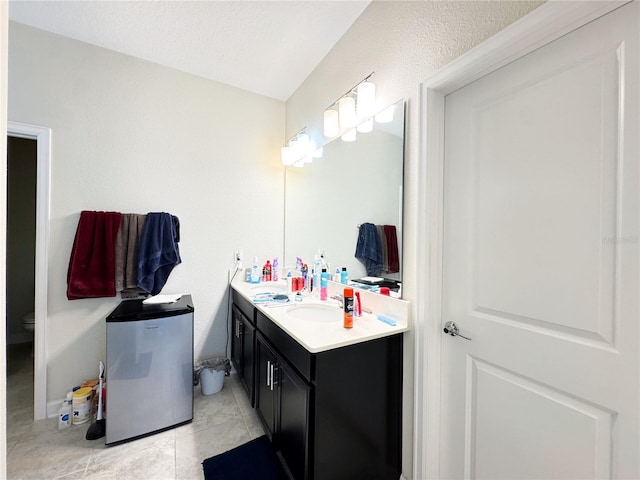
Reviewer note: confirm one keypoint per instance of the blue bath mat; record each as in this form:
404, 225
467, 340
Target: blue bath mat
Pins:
254, 460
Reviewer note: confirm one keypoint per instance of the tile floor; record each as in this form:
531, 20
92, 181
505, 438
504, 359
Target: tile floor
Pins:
37, 450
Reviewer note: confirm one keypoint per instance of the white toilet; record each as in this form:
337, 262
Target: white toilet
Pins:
29, 322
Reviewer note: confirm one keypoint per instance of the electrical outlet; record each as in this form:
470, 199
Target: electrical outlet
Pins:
237, 257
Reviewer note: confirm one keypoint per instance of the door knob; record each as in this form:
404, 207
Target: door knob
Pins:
452, 329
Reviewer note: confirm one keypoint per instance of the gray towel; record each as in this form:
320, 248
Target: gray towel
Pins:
127, 244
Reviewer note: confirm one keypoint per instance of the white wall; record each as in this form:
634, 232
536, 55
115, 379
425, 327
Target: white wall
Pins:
132, 136
404, 43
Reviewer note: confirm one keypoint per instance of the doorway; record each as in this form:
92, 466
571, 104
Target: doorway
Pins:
22, 157
42, 137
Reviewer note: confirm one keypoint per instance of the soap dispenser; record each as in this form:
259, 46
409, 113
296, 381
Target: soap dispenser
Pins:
256, 273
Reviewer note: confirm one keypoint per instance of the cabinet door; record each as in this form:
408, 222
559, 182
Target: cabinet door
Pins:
237, 341
248, 359
266, 393
293, 421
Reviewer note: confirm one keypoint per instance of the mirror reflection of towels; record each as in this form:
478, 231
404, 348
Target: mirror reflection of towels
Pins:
393, 258
368, 249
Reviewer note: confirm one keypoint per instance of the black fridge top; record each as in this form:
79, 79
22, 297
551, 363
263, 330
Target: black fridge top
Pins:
131, 310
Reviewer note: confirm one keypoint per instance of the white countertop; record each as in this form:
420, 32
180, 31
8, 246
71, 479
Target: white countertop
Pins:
317, 337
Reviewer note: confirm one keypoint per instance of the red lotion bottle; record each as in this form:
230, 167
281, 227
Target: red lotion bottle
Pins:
348, 307
266, 272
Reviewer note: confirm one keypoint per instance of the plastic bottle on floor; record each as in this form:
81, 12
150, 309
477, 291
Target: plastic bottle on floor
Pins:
65, 413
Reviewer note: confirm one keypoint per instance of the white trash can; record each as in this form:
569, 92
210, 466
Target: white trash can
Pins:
211, 380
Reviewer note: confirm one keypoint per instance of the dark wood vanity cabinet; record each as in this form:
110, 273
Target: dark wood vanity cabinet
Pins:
331, 415
282, 403
243, 333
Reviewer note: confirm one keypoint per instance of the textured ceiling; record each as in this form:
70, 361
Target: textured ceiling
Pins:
266, 47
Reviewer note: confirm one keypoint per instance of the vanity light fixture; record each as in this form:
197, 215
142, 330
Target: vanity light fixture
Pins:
300, 149
366, 93
347, 111
352, 109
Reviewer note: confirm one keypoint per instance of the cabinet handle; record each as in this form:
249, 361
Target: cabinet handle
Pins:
273, 370
269, 370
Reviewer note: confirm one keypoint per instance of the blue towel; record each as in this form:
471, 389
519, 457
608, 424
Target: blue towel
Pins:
158, 253
368, 249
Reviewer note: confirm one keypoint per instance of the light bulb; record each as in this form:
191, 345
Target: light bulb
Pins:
366, 99
347, 108
303, 143
285, 155
331, 124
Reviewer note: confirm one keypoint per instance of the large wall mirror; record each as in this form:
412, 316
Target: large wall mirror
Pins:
354, 183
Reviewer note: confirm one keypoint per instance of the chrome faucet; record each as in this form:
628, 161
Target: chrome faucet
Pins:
340, 299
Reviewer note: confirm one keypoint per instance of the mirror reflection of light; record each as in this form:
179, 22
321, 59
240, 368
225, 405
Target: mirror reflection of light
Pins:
366, 126
299, 150
350, 136
385, 116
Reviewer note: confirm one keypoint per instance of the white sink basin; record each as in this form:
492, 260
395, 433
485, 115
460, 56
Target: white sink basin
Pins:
314, 312
269, 288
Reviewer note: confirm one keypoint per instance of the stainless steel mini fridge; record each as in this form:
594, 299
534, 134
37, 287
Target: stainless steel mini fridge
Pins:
149, 368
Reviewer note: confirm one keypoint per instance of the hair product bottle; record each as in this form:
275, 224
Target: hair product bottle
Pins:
348, 307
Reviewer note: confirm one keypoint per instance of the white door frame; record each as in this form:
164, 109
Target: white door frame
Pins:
43, 136
543, 25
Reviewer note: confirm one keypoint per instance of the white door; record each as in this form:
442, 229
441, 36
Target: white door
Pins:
541, 265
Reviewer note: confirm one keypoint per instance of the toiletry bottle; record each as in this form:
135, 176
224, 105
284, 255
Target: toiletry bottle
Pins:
316, 273
323, 261
344, 278
357, 306
275, 270
65, 413
348, 307
255, 271
336, 276
305, 276
266, 272
324, 278
289, 282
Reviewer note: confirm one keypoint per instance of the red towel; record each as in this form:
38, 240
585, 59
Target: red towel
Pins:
92, 269
392, 248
